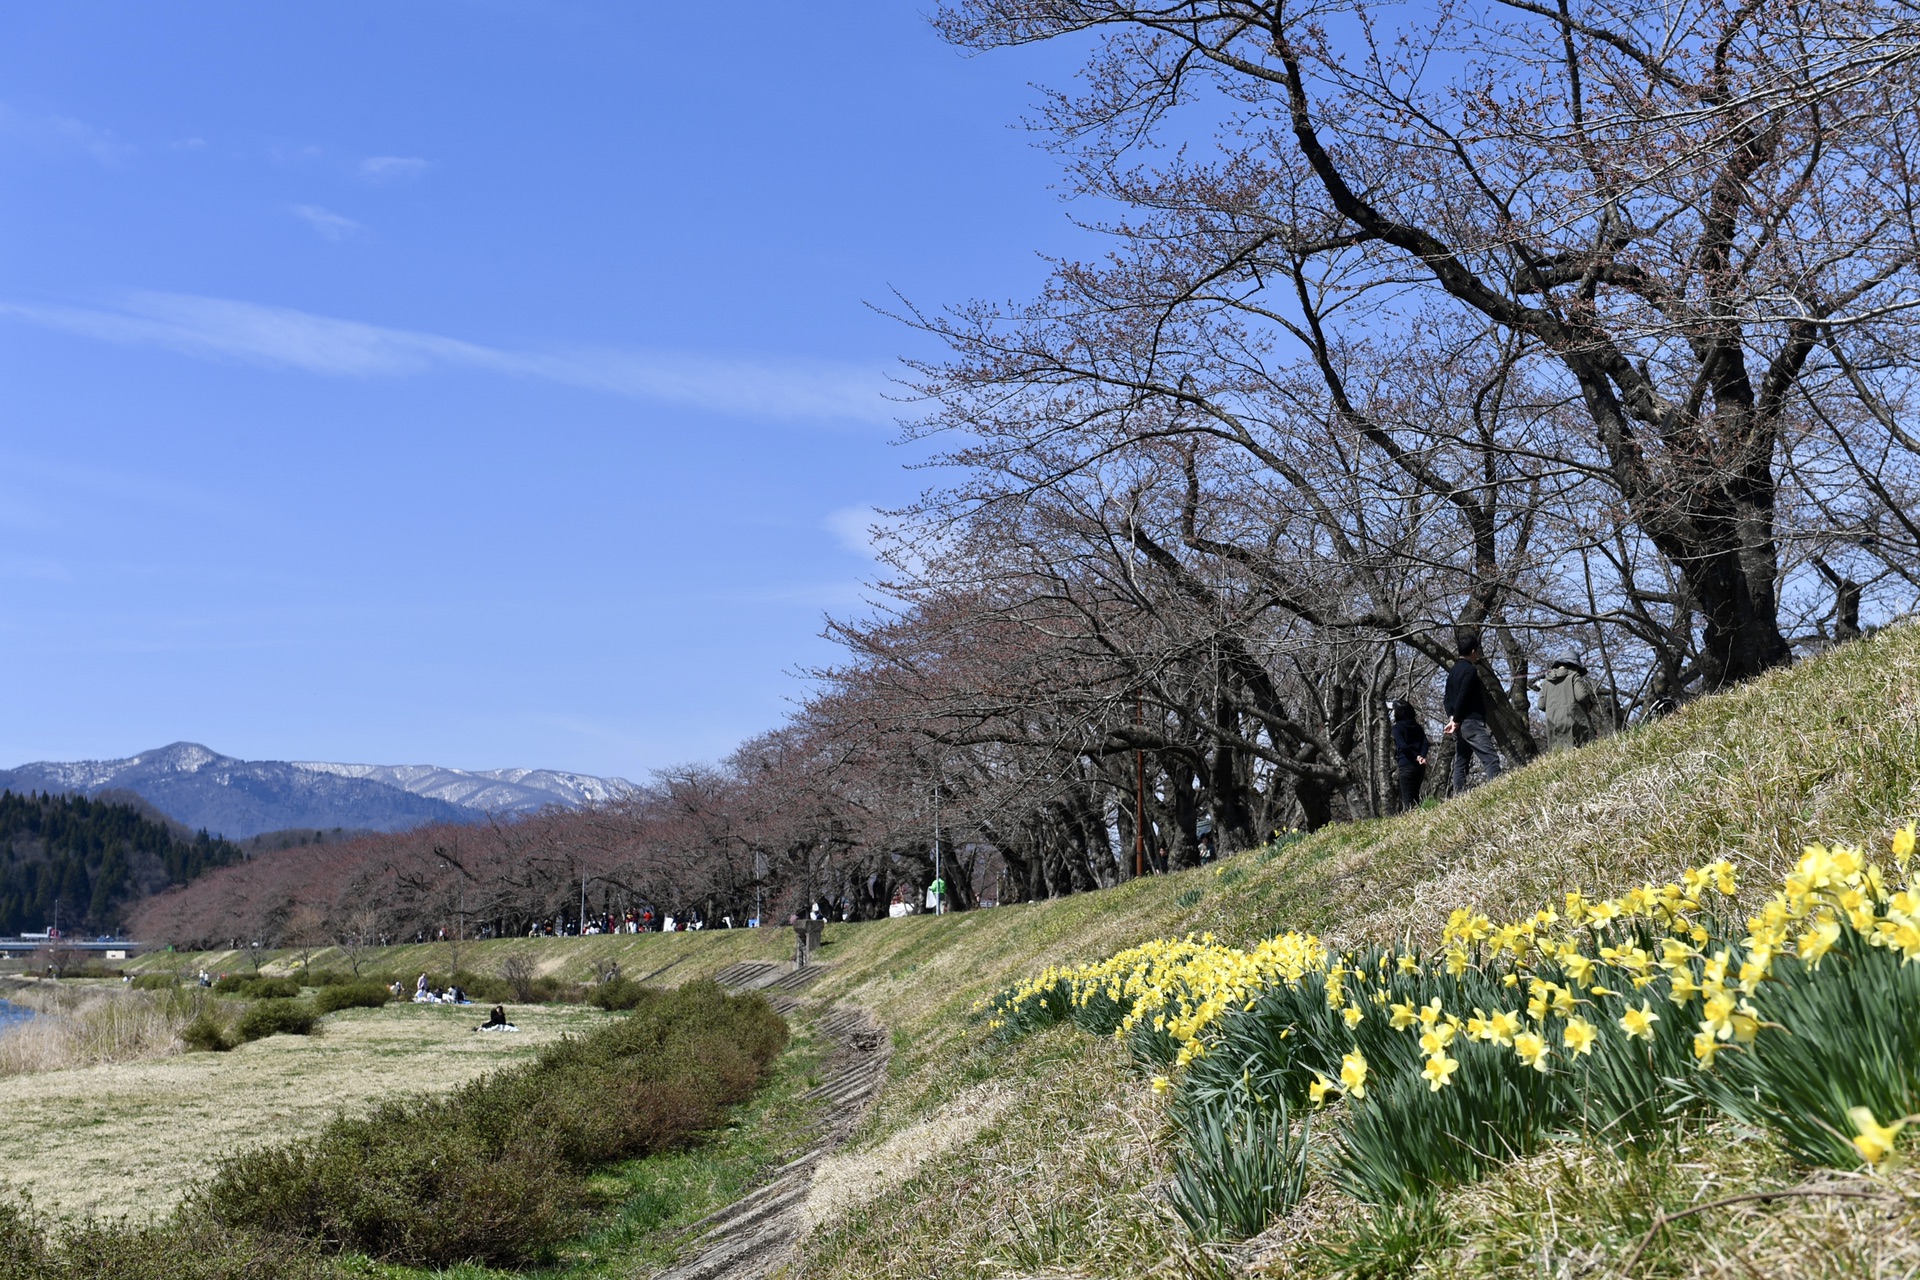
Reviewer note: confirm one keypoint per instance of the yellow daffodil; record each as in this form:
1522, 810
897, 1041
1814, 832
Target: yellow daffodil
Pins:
1532, 1049
1638, 1023
1353, 1073
1438, 1071
1579, 1035
1875, 1140
1318, 1090
1705, 1045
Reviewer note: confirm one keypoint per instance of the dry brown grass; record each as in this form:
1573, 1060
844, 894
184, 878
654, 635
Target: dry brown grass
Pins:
84, 1024
131, 1137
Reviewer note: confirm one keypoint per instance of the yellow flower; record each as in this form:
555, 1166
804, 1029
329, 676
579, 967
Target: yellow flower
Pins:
1503, 1026
1579, 1035
1639, 1022
1684, 987
1430, 1012
1408, 964
1403, 1017
1875, 1142
1161, 1084
1903, 843
1353, 1073
1436, 1039
1705, 1045
1318, 1090
1718, 1016
1352, 1015
1438, 1070
1532, 1049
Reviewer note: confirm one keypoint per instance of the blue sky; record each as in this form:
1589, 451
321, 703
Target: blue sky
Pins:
468, 381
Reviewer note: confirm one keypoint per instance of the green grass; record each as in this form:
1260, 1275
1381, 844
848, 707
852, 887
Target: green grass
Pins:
1066, 1177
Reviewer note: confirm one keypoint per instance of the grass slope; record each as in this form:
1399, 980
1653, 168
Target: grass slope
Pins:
1045, 1156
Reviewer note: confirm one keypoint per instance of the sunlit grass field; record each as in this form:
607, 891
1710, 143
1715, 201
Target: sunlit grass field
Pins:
1065, 1175
131, 1138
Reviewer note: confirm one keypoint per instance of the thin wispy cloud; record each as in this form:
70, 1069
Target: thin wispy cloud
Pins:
328, 224
392, 168
62, 134
283, 338
858, 529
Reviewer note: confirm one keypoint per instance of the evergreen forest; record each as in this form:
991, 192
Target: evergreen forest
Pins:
94, 857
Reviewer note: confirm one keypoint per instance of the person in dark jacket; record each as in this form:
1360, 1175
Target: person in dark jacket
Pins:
1410, 749
1467, 712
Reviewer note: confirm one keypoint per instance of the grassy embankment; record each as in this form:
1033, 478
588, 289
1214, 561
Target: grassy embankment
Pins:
987, 1159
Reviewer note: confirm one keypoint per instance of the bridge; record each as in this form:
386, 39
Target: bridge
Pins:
107, 948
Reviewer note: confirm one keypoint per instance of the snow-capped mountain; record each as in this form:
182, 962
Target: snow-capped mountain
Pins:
494, 790
240, 798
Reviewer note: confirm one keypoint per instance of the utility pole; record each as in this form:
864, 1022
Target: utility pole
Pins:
940, 907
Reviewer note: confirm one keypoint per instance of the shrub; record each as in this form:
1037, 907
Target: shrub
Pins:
496, 1171
156, 981
517, 972
276, 1018
350, 995
174, 1250
619, 994
206, 1035
255, 987
331, 978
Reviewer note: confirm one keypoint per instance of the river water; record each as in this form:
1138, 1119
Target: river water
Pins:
11, 1013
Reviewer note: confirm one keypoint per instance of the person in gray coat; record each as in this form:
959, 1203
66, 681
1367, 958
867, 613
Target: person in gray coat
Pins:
1570, 704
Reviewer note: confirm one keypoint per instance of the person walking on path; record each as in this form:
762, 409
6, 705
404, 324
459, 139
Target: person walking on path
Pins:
1569, 702
1410, 748
1467, 712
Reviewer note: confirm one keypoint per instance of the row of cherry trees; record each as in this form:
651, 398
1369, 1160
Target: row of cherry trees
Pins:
1586, 323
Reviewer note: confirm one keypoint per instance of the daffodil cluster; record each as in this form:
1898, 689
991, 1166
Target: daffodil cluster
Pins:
1612, 996
1172, 988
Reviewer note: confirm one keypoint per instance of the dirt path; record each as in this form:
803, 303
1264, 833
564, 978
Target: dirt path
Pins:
755, 1236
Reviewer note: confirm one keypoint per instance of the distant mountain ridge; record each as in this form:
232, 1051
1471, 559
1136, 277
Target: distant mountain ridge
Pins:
235, 798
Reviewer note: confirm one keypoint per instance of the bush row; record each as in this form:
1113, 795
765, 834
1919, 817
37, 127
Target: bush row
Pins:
179, 1250
495, 1173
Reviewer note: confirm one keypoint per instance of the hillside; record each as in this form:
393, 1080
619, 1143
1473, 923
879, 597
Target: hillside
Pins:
93, 858
1046, 1155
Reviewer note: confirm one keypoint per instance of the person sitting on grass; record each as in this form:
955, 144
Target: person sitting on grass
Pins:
497, 1021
